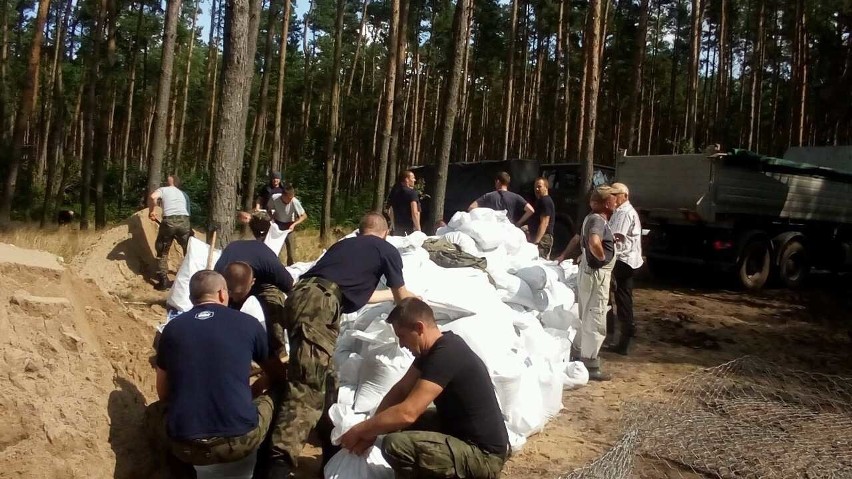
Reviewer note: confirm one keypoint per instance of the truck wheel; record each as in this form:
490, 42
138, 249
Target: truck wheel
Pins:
794, 265
754, 265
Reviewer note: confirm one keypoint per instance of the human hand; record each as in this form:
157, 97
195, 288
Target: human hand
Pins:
560, 259
243, 217
152, 216
355, 442
291, 228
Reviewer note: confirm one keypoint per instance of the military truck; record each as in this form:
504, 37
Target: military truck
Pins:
753, 217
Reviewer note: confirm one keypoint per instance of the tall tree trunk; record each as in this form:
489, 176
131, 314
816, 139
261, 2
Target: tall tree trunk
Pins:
800, 74
638, 62
361, 28
399, 93
131, 86
90, 112
185, 94
260, 119
756, 66
450, 107
331, 142
692, 82
211, 81
4, 60
276, 159
592, 73
241, 28
158, 142
29, 92
104, 135
510, 81
387, 120
566, 84
306, 84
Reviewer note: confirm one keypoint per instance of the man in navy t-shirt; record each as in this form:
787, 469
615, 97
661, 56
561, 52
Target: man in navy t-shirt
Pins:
343, 280
206, 413
541, 223
466, 436
404, 205
516, 207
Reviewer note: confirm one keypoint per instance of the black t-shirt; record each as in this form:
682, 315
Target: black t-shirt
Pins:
207, 354
356, 265
467, 407
513, 203
266, 195
543, 207
400, 200
266, 266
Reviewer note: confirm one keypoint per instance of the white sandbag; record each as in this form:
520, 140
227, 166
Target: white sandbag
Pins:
490, 337
251, 306
506, 377
513, 289
343, 418
576, 375
535, 276
463, 241
483, 214
551, 380
487, 234
443, 230
349, 370
296, 270
346, 395
383, 367
516, 441
459, 219
345, 465
275, 238
561, 318
194, 261
514, 239
541, 345
525, 415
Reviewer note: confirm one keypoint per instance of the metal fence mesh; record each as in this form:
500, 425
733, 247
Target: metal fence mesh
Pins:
743, 419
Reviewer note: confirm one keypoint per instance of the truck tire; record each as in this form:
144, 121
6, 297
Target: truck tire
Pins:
794, 266
754, 265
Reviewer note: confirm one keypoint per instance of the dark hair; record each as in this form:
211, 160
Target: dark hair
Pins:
503, 178
289, 189
203, 283
259, 226
409, 311
403, 175
175, 180
544, 180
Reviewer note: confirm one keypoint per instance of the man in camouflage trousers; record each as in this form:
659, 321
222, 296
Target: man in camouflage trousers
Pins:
213, 421
334, 285
465, 437
175, 225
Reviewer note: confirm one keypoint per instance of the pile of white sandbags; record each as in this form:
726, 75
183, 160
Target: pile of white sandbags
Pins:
522, 330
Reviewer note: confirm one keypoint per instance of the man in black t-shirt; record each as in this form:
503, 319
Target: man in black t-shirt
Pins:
342, 281
467, 437
517, 208
205, 413
404, 205
541, 223
264, 199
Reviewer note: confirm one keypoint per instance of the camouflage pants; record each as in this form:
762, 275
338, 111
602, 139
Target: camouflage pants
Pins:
311, 315
545, 246
214, 450
416, 453
272, 302
172, 228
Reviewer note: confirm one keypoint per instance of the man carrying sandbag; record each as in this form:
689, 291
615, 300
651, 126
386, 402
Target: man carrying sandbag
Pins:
175, 225
214, 420
465, 436
342, 281
517, 209
596, 254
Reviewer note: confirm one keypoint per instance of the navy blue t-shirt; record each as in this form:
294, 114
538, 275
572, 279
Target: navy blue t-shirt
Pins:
543, 207
513, 203
400, 200
207, 354
356, 265
266, 266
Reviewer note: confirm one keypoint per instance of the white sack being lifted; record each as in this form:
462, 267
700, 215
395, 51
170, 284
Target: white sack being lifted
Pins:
521, 329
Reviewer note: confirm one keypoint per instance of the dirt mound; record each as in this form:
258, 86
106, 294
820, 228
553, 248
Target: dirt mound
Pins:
75, 375
123, 260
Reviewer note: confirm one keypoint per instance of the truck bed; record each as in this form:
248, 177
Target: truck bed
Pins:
726, 187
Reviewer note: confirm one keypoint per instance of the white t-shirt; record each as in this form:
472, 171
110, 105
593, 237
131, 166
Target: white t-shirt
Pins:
174, 201
287, 212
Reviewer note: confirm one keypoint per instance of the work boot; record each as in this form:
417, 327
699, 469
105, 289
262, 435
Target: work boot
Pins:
623, 346
595, 374
163, 283
280, 470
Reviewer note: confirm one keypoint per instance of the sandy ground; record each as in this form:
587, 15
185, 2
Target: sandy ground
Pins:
75, 373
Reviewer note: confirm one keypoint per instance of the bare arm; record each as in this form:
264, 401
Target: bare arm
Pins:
162, 384
380, 296
528, 212
415, 215
152, 203
542, 228
401, 293
596, 247
473, 206
301, 219
571, 251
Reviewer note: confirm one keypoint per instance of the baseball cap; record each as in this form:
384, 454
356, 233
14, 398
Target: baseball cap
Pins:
276, 175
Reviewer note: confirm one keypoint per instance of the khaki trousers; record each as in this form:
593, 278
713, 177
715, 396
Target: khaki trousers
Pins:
592, 299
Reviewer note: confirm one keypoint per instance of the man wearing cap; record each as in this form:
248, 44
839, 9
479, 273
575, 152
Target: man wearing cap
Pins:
264, 200
596, 254
627, 230
335, 284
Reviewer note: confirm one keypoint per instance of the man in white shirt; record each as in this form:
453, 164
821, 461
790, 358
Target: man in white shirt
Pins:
627, 230
174, 226
288, 213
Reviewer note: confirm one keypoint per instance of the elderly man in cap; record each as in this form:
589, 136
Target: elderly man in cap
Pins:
627, 230
274, 187
596, 257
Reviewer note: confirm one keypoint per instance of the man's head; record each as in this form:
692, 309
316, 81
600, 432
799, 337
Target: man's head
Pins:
414, 324
407, 178
620, 192
600, 200
502, 180
288, 194
275, 179
542, 186
240, 278
173, 180
259, 226
373, 224
208, 286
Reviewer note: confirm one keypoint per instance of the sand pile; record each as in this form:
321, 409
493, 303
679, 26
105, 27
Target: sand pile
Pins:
74, 374
123, 260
